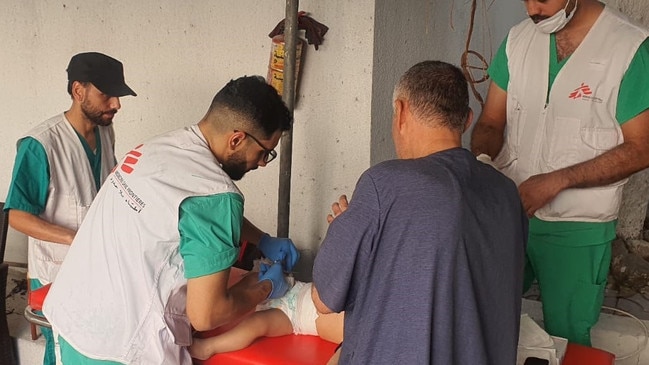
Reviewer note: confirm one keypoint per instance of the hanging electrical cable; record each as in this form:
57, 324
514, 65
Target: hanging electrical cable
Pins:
472, 62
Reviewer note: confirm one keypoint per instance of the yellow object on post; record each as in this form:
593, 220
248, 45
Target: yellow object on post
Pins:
275, 75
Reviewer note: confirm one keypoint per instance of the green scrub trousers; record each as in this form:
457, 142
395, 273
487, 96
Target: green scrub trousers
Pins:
570, 307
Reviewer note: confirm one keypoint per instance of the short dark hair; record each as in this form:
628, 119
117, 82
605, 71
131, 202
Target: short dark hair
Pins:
437, 91
254, 99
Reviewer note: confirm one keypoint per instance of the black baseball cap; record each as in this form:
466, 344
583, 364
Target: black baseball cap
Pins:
105, 72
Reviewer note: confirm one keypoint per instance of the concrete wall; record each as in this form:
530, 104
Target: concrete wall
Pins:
636, 9
332, 125
410, 31
176, 56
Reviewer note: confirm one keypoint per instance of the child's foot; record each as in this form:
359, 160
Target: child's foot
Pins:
200, 349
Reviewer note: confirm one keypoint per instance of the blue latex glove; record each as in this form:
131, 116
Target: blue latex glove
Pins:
279, 249
275, 274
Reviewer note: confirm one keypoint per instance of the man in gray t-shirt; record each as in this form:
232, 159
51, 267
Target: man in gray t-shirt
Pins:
427, 259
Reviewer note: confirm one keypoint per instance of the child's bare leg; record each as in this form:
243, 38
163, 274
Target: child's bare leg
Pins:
271, 323
330, 326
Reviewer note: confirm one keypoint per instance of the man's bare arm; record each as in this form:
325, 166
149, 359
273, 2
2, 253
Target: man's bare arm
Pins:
36, 227
620, 162
210, 304
250, 232
488, 133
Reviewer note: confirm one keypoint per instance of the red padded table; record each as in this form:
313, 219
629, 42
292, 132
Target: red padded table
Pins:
311, 350
36, 298
284, 350
583, 355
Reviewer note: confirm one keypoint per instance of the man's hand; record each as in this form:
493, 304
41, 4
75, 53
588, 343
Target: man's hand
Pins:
338, 208
279, 249
539, 190
275, 274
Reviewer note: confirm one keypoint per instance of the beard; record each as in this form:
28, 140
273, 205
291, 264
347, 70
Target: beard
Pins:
538, 18
96, 116
235, 166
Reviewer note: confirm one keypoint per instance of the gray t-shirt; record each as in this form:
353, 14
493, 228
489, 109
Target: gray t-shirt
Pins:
427, 263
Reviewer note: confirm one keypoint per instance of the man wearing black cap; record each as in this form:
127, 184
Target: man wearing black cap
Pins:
60, 165
153, 254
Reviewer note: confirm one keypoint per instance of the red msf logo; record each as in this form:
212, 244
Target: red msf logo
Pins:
583, 90
132, 157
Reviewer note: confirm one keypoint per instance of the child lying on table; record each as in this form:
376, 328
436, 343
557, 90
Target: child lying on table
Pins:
292, 313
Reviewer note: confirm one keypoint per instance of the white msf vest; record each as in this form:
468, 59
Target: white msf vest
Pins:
578, 123
71, 190
131, 307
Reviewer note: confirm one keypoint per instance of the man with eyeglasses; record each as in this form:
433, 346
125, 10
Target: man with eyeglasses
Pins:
155, 250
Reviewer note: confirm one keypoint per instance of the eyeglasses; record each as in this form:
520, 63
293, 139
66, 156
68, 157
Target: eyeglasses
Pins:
269, 155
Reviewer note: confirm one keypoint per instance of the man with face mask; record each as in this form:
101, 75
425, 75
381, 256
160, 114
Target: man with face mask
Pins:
154, 252
60, 165
566, 118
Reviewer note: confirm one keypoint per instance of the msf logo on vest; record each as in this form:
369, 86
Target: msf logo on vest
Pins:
119, 181
132, 157
583, 92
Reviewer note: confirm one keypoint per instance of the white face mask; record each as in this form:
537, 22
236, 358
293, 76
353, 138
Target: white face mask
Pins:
556, 22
